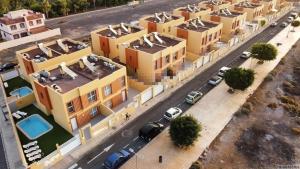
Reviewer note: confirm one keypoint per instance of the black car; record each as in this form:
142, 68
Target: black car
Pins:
150, 130
7, 66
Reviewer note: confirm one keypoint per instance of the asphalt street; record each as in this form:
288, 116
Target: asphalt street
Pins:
127, 138
78, 26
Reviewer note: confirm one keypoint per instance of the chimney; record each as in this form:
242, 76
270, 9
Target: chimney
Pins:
141, 41
119, 32
129, 29
151, 38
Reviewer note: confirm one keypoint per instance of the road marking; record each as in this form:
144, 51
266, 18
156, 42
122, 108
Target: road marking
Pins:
135, 138
104, 150
126, 146
161, 119
73, 166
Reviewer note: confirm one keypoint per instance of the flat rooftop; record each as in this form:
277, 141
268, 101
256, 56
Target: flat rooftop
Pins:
157, 46
200, 28
216, 2
84, 75
185, 9
226, 14
247, 5
163, 18
56, 50
108, 33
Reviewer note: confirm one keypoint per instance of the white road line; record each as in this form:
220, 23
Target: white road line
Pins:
73, 166
126, 146
135, 138
161, 119
104, 150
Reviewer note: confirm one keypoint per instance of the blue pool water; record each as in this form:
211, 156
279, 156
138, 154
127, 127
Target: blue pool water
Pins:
23, 91
34, 126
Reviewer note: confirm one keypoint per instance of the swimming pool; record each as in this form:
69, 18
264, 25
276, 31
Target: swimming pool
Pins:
34, 126
23, 91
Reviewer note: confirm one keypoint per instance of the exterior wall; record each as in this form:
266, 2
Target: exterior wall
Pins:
198, 42
50, 63
252, 13
268, 5
235, 1
113, 44
214, 7
192, 15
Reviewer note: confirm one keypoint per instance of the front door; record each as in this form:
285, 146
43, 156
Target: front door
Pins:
74, 123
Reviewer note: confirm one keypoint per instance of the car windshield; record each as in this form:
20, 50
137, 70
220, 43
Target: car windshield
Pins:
108, 164
168, 114
190, 97
215, 78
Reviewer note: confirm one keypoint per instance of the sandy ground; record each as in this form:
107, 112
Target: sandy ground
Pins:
264, 137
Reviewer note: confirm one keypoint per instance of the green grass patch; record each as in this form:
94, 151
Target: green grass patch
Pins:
48, 141
16, 83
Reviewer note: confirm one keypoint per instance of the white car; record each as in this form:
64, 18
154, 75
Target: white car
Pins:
172, 113
245, 55
274, 24
223, 70
215, 80
284, 24
290, 19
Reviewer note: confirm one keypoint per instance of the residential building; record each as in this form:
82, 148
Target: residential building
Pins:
76, 91
106, 41
41, 56
215, 5
235, 1
161, 23
269, 6
192, 12
153, 56
253, 10
233, 22
200, 36
21, 23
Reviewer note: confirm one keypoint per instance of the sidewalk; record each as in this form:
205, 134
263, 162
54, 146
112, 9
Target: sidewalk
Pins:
213, 116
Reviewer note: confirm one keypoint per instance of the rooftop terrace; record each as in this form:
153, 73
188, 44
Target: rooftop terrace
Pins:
215, 2
51, 50
197, 25
162, 18
247, 5
68, 77
119, 30
158, 44
192, 8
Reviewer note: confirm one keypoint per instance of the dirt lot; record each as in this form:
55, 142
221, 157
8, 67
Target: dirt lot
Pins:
265, 133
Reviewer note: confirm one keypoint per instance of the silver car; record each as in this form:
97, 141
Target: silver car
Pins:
193, 97
215, 80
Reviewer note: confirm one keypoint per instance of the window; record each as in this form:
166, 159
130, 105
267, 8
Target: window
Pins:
92, 96
167, 59
210, 37
94, 111
183, 51
70, 107
220, 32
13, 27
238, 23
38, 21
16, 36
30, 23
22, 25
123, 82
107, 90
108, 104
203, 41
216, 34
156, 65
175, 56
169, 29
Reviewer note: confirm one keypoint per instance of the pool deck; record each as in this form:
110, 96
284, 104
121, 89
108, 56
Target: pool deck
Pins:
14, 84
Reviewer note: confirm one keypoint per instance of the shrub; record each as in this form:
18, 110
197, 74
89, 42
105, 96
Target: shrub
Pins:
287, 100
239, 78
184, 131
244, 110
269, 77
272, 105
196, 165
293, 109
264, 51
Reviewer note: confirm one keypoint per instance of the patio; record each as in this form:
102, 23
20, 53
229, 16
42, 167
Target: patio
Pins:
48, 141
131, 94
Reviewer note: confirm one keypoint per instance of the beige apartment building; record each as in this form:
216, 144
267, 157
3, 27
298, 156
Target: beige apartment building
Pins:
162, 22
200, 36
192, 12
76, 91
233, 22
41, 56
235, 1
214, 5
106, 41
269, 6
253, 10
153, 56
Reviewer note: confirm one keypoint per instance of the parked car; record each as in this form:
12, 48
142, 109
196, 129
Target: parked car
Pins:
294, 15
284, 24
290, 19
7, 66
245, 55
223, 70
172, 113
274, 24
150, 130
193, 97
115, 160
215, 80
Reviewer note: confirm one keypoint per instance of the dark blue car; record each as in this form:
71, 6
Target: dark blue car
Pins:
116, 159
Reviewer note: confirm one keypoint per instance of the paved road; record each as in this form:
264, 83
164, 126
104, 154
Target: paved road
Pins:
3, 164
78, 26
128, 136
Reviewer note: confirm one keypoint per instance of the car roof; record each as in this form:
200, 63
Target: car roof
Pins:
148, 127
216, 77
116, 156
225, 68
246, 52
172, 110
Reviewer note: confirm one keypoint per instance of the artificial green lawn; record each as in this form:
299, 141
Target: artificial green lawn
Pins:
48, 141
16, 83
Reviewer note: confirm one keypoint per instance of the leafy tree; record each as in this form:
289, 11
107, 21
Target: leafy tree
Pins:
295, 23
239, 78
184, 131
264, 51
262, 23
4, 7
63, 7
46, 6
